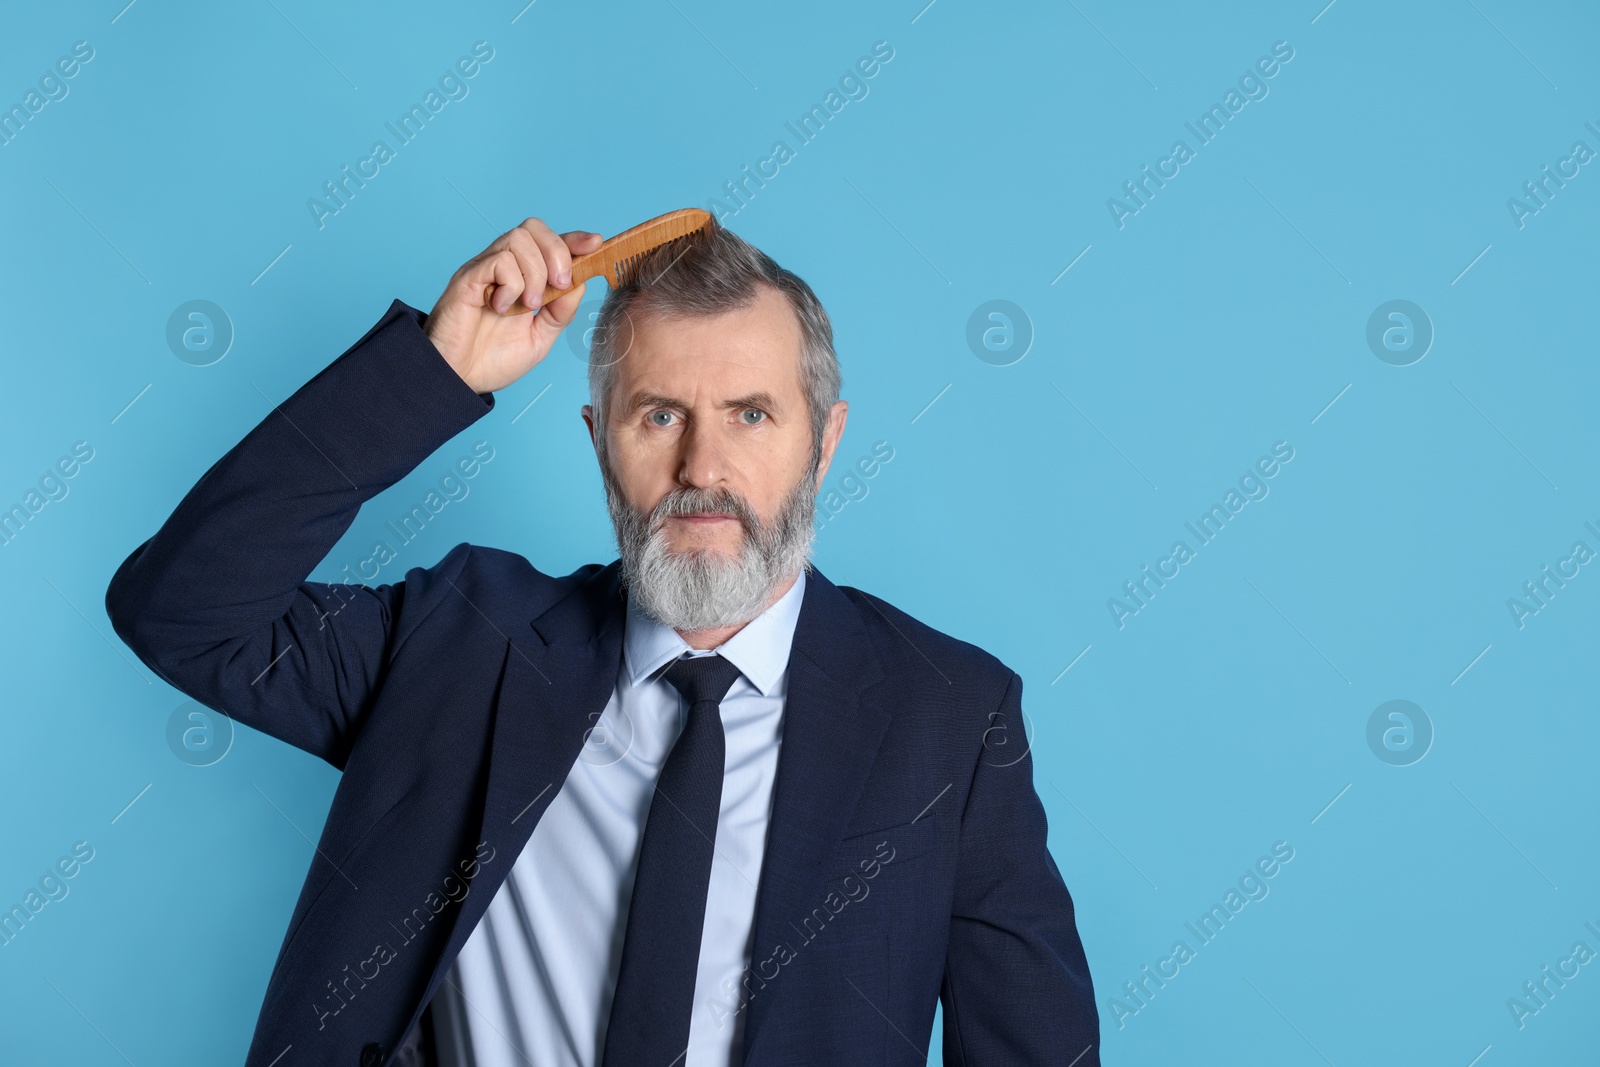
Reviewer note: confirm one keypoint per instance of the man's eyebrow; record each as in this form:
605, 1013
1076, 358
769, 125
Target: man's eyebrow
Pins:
652, 400
758, 399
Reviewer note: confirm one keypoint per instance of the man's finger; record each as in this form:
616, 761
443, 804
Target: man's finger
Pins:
557, 257
558, 314
532, 261
500, 269
582, 242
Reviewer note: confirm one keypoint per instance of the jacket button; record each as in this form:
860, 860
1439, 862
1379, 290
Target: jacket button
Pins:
372, 1055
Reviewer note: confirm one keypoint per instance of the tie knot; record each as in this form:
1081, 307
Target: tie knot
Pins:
701, 678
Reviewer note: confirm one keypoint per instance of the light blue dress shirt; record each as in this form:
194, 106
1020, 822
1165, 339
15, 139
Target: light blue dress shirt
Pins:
534, 980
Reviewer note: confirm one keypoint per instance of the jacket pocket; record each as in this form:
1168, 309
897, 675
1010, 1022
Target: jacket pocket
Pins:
888, 845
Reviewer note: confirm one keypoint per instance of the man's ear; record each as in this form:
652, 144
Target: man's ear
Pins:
588, 420
830, 438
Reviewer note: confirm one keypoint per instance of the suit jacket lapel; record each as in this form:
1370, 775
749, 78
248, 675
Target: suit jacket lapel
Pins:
832, 726
552, 691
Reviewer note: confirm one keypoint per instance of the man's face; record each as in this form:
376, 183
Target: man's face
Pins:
713, 403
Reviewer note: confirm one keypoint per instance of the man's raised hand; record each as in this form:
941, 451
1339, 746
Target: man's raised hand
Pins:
488, 348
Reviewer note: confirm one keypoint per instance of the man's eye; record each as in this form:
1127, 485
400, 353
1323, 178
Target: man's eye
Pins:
753, 416
660, 417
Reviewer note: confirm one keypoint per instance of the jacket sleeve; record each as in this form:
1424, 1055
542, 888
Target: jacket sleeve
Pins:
1016, 987
217, 603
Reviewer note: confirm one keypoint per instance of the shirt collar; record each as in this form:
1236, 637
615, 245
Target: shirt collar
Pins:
760, 650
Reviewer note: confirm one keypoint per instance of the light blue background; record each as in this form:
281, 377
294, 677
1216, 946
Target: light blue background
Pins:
1223, 317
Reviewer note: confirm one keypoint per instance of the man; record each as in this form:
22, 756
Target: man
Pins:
698, 806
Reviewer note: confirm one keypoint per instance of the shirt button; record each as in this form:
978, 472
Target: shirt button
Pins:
372, 1055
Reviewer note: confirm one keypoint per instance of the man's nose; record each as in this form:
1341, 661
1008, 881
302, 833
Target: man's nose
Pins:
702, 463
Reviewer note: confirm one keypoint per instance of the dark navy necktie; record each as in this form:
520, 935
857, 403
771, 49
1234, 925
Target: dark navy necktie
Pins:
654, 999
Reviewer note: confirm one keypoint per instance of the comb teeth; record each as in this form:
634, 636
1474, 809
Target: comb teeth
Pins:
625, 268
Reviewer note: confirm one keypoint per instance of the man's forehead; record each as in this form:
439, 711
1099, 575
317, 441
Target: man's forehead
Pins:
752, 348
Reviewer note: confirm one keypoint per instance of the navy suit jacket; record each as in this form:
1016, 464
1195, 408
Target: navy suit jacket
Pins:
905, 861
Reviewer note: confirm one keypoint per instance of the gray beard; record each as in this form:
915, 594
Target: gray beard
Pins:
703, 589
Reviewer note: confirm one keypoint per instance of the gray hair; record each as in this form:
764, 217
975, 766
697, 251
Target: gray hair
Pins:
710, 272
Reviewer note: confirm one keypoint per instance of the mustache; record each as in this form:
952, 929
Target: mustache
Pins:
689, 500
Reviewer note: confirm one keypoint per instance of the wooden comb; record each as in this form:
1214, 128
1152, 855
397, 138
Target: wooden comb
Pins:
618, 256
